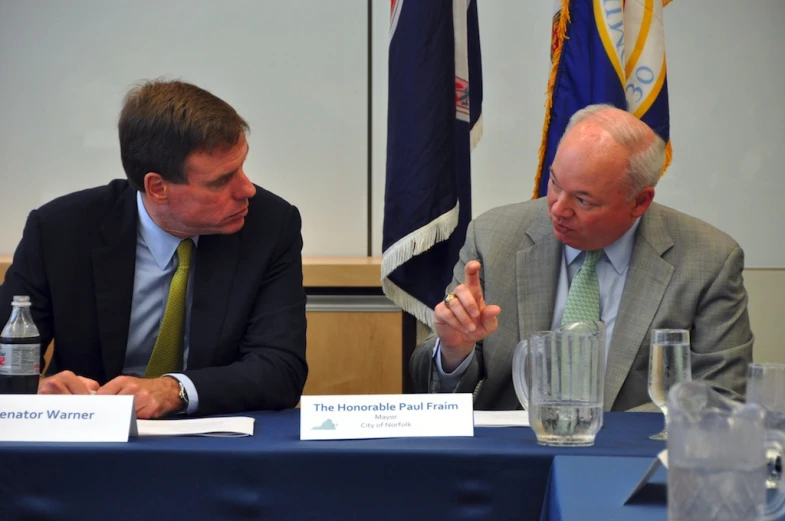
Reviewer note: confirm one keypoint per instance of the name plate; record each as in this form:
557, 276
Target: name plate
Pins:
385, 416
40, 417
654, 483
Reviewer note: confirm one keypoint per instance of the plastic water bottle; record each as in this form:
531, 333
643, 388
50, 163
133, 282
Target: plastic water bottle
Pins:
20, 351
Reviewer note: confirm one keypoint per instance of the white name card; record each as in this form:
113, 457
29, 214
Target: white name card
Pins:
40, 417
385, 416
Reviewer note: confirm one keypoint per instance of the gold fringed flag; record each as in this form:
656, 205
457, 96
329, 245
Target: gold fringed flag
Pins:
605, 51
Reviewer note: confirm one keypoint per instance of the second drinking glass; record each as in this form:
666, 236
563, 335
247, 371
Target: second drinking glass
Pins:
669, 364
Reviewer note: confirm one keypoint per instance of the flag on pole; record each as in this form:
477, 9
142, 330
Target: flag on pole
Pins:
433, 123
605, 51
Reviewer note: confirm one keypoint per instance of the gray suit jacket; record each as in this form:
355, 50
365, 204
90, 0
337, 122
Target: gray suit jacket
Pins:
683, 274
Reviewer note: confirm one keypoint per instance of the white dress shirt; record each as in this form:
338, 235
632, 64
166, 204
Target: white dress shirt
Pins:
156, 263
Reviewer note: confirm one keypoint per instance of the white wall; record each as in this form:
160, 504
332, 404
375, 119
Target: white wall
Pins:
727, 78
295, 70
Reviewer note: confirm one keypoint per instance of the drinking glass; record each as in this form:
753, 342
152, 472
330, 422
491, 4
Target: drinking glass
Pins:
766, 387
669, 364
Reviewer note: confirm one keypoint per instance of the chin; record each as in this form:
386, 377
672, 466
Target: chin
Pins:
234, 226
572, 243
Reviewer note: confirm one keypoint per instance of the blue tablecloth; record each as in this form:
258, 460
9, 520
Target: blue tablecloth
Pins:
500, 473
585, 488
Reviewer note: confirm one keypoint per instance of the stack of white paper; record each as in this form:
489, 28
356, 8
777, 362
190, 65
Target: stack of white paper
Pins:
501, 419
230, 426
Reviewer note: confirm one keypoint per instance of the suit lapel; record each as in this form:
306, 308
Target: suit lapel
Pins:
647, 280
113, 276
537, 273
216, 261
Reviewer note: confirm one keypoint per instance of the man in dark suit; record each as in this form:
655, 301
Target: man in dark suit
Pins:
181, 285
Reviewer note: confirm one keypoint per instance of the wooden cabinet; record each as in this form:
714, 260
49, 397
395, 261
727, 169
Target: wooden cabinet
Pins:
354, 352
356, 337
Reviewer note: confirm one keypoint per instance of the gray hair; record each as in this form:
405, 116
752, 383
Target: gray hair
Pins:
647, 157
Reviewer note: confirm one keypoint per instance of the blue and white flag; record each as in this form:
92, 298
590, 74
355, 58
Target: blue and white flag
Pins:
433, 123
605, 51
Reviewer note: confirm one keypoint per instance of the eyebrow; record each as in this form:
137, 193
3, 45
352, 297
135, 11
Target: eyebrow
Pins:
579, 192
227, 175
553, 175
224, 177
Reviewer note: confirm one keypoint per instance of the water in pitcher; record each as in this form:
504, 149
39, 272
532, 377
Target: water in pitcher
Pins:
731, 494
566, 423
721, 458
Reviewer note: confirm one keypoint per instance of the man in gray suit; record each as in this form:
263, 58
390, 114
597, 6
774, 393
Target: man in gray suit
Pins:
658, 268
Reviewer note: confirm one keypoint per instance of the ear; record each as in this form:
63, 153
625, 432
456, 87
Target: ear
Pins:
156, 188
642, 201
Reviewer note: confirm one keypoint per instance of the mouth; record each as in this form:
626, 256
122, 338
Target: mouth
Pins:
239, 215
560, 227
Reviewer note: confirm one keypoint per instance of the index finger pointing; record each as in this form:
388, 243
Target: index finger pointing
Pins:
472, 278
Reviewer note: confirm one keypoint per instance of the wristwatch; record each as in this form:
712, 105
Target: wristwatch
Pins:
183, 396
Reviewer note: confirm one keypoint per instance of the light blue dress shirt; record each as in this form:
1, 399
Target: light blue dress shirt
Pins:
156, 263
611, 271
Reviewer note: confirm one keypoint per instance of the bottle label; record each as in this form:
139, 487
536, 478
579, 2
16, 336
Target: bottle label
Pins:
20, 359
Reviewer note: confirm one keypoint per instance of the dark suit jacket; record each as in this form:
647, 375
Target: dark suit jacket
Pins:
247, 349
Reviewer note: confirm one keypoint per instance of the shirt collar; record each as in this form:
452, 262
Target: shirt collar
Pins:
161, 244
619, 253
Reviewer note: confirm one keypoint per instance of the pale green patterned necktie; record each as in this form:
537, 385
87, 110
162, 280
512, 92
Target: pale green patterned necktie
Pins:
167, 354
583, 300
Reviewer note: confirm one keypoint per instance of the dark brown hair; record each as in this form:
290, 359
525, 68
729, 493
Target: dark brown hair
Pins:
162, 122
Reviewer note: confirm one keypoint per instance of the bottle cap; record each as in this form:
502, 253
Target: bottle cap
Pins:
21, 300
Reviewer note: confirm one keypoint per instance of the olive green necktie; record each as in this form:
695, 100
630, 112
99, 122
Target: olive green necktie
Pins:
167, 354
583, 300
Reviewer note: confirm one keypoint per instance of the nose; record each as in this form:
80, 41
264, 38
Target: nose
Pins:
561, 207
245, 188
